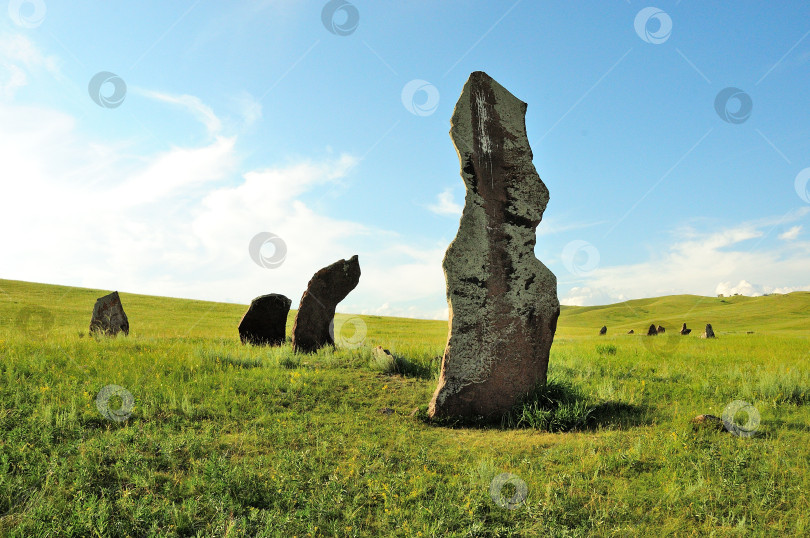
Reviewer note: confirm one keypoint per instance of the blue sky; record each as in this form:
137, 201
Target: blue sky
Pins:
245, 117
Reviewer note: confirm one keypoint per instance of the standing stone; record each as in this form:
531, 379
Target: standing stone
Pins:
502, 300
108, 316
265, 322
631, 331
660, 329
316, 313
684, 330
709, 332
652, 331
603, 330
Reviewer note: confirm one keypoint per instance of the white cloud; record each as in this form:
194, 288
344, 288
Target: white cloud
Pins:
178, 222
19, 57
192, 104
704, 263
445, 204
248, 108
754, 290
791, 234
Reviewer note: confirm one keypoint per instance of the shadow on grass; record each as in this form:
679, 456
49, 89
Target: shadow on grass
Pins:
556, 406
407, 367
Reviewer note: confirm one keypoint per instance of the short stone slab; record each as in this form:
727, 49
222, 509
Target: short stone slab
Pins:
265, 322
709, 332
109, 317
329, 286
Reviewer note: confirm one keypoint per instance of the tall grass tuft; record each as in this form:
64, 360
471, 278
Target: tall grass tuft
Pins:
554, 407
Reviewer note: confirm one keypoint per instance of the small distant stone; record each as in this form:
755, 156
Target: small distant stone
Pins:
684, 330
108, 316
652, 331
660, 329
709, 332
749, 332
386, 411
631, 331
708, 421
603, 330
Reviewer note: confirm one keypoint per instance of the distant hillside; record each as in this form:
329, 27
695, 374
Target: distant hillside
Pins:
737, 314
168, 317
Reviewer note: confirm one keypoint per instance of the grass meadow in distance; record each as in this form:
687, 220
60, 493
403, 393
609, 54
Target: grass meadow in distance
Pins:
232, 440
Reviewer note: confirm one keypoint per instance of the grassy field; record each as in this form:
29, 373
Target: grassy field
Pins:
228, 440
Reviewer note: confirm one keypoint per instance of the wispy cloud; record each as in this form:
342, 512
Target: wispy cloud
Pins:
190, 103
791, 234
445, 204
704, 263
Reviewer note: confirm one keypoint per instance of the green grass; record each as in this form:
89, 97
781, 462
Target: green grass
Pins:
232, 440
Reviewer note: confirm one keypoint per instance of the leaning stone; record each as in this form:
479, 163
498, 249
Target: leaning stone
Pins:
316, 313
502, 300
108, 316
709, 332
652, 331
631, 331
265, 322
603, 330
684, 330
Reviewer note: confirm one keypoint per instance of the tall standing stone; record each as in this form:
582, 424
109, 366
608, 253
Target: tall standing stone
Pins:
265, 322
502, 300
108, 316
652, 331
329, 286
709, 332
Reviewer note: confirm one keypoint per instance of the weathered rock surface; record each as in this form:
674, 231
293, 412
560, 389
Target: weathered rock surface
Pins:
660, 329
503, 301
316, 312
603, 330
265, 322
652, 331
708, 421
108, 316
709, 332
684, 330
